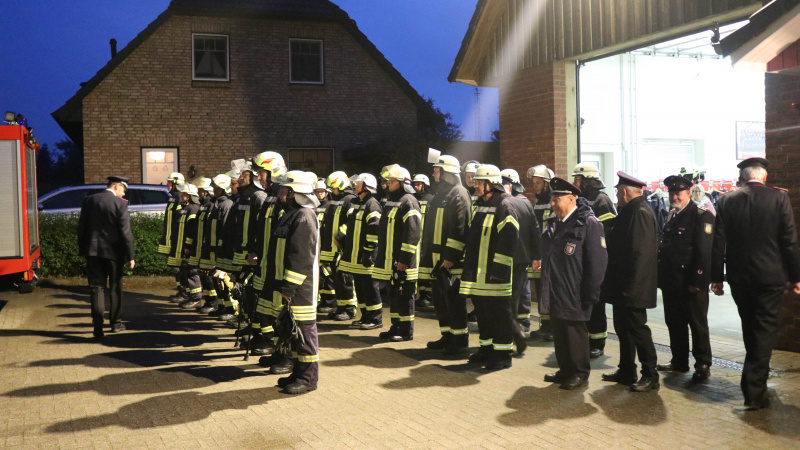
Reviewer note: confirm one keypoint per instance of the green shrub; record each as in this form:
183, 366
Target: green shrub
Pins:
58, 234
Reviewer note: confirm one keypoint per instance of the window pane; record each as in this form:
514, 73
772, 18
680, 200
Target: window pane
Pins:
211, 57
149, 197
306, 61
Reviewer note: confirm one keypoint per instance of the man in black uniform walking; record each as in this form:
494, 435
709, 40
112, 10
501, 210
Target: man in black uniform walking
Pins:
573, 266
756, 235
684, 263
631, 282
106, 241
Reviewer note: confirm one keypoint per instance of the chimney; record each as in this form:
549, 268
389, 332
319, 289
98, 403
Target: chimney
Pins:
113, 43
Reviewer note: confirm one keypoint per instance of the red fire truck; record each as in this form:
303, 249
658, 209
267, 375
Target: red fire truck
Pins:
19, 220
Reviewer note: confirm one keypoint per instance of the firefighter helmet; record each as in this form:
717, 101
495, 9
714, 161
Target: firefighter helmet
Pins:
176, 178
222, 181
489, 173
470, 167
369, 181
203, 184
511, 174
273, 163
448, 164
320, 185
338, 180
542, 172
396, 172
187, 188
299, 181
422, 179
586, 170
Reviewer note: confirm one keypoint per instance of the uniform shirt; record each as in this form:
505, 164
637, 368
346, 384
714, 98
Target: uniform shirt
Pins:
444, 234
398, 236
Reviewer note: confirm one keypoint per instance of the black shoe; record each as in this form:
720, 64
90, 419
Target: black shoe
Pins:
498, 361
370, 326
98, 332
440, 343
343, 316
671, 368
472, 317
645, 384
298, 388
237, 324
283, 367
178, 298
701, 373
326, 310
225, 317
207, 309
261, 346
401, 337
191, 304
519, 338
423, 303
356, 324
271, 360
544, 336
556, 377
481, 356
286, 381
387, 334
595, 353
574, 382
619, 377
117, 327
754, 405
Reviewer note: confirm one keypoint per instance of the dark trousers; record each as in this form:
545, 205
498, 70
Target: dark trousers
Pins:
343, 285
327, 288
401, 307
521, 294
634, 337
105, 280
544, 319
598, 326
369, 298
306, 355
495, 322
571, 343
759, 308
424, 290
451, 308
190, 279
209, 290
683, 311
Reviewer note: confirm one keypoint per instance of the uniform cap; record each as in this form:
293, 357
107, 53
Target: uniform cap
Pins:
422, 179
628, 180
751, 162
119, 179
560, 186
677, 183
542, 172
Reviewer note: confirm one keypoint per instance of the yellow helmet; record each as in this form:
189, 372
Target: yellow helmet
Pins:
273, 163
338, 180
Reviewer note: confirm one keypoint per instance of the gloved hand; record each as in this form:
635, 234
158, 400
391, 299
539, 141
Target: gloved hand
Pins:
366, 260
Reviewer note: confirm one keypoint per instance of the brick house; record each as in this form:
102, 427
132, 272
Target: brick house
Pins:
213, 80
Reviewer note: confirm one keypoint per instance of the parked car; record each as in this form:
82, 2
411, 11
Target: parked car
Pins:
142, 198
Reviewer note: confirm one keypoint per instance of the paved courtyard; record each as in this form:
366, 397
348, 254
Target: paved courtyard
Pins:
175, 380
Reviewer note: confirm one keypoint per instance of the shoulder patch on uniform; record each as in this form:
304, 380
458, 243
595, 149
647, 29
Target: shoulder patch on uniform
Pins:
602, 241
780, 188
701, 208
708, 228
569, 249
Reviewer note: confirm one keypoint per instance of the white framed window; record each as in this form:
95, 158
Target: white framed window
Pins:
210, 59
158, 163
306, 61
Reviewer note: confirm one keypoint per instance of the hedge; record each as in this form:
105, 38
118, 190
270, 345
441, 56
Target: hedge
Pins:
58, 234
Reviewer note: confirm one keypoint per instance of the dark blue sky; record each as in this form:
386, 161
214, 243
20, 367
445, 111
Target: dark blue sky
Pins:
50, 46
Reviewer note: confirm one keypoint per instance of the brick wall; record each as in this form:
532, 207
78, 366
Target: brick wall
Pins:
151, 100
783, 152
537, 120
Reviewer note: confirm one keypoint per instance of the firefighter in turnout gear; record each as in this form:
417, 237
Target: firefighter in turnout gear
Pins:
468, 170
442, 248
226, 245
527, 254
422, 186
202, 248
174, 180
218, 219
359, 242
396, 260
488, 262
183, 219
292, 277
190, 275
540, 177
339, 208
586, 177
270, 169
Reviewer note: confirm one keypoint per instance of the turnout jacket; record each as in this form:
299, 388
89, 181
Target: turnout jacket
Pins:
530, 235
489, 248
756, 235
359, 237
265, 220
294, 263
104, 228
184, 230
423, 198
632, 277
398, 236
444, 234
542, 208
197, 245
220, 221
247, 206
574, 262
339, 208
165, 241
601, 205
684, 253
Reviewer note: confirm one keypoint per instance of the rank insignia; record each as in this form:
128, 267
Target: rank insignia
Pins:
708, 228
569, 249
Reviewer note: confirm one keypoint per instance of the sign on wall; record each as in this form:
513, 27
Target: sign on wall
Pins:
750, 140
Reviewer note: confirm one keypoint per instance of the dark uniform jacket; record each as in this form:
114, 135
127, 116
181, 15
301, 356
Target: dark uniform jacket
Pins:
492, 236
201, 248
755, 233
684, 253
398, 236
602, 206
248, 203
294, 255
542, 208
574, 262
172, 204
183, 225
631, 279
530, 235
221, 222
339, 209
423, 198
266, 217
444, 234
359, 238
104, 228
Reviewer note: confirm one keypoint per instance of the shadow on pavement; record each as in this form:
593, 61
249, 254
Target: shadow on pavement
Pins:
779, 419
534, 405
635, 408
346, 341
714, 390
169, 410
378, 358
431, 375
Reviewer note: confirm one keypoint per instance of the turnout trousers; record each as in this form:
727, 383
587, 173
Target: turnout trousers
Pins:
495, 323
369, 298
451, 309
598, 327
521, 295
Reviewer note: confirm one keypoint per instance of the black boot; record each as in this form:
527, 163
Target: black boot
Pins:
458, 343
440, 343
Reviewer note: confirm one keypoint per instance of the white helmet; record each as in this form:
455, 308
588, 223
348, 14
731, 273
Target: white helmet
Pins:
176, 177
586, 170
394, 171
188, 189
300, 182
273, 163
511, 174
470, 167
223, 182
338, 180
542, 172
448, 164
422, 179
203, 184
320, 184
237, 167
369, 181
489, 173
